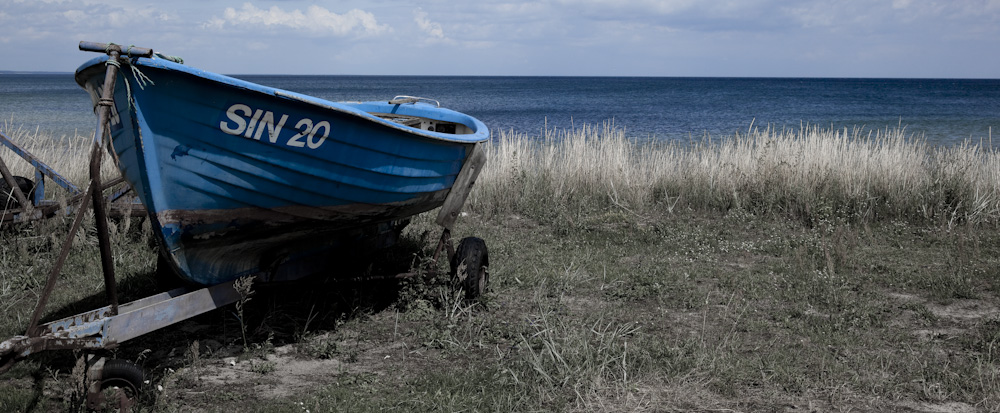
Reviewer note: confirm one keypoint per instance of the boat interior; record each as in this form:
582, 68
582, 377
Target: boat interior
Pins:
427, 124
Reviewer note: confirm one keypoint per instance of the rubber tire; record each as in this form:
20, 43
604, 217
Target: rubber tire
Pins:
475, 276
27, 187
124, 375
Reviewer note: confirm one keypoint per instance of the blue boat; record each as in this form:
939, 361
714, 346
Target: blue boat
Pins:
242, 179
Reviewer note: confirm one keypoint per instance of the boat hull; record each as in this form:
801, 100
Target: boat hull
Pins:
240, 178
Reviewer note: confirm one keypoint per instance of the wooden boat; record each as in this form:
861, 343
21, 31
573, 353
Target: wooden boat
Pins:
240, 179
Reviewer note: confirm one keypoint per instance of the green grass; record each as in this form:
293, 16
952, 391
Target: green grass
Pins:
609, 292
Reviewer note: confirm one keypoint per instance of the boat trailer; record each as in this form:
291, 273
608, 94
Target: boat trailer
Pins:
28, 197
107, 327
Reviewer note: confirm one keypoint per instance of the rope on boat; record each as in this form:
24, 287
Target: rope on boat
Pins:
141, 80
175, 59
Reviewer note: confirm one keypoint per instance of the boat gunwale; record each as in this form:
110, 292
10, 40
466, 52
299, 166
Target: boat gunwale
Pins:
480, 134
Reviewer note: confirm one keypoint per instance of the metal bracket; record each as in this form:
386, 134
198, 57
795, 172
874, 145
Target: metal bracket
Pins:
403, 99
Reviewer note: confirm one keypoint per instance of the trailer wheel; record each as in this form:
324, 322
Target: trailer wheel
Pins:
27, 187
470, 267
121, 383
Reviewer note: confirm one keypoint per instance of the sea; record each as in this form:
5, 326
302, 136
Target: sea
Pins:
940, 111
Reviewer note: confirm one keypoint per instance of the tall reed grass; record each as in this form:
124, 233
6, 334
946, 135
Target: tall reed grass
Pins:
67, 155
809, 173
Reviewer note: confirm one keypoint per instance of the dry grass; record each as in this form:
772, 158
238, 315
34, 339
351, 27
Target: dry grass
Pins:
811, 174
67, 155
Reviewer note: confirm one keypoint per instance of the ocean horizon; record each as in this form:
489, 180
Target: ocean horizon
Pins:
941, 111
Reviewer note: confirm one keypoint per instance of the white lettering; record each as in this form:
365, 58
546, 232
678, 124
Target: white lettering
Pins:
272, 130
305, 127
242, 120
241, 124
326, 132
253, 123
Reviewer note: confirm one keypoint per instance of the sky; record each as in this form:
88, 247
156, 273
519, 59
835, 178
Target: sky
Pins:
746, 38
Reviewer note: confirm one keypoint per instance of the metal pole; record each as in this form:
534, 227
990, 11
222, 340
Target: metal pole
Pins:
130, 51
50, 282
100, 212
94, 192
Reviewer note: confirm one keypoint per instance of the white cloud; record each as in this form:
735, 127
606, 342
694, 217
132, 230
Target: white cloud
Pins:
75, 15
315, 19
657, 37
646, 6
433, 29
